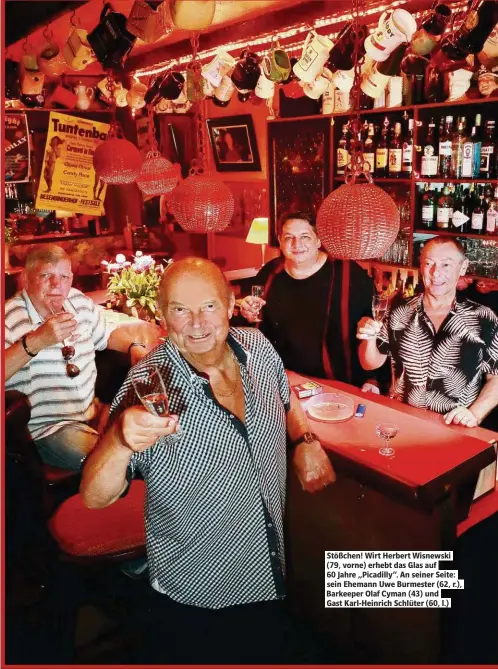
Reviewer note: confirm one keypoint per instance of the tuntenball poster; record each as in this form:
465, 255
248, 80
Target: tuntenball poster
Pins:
68, 179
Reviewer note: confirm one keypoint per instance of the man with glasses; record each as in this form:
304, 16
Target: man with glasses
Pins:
51, 334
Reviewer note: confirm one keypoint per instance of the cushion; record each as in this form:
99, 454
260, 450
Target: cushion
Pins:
115, 529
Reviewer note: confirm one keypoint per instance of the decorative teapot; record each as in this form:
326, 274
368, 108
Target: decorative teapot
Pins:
84, 96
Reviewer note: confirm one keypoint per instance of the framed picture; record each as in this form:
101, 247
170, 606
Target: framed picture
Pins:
234, 144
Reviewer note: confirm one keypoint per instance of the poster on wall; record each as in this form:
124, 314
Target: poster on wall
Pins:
68, 180
17, 162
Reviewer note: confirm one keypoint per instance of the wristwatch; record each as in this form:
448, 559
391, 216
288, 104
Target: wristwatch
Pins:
306, 438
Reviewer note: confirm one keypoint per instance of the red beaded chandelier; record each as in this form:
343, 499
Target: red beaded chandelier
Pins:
158, 175
202, 202
357, 220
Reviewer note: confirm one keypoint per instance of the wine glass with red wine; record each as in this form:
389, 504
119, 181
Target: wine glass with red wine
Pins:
151, 391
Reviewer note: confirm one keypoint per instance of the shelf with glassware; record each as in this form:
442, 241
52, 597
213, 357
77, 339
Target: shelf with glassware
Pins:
450, 148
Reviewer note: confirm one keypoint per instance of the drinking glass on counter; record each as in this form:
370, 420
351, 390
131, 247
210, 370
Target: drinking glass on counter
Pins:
386, 431
151, 391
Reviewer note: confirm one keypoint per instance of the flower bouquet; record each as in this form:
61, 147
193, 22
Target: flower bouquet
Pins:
135, 284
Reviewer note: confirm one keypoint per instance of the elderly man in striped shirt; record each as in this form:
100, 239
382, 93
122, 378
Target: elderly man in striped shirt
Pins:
216, 488
51, 334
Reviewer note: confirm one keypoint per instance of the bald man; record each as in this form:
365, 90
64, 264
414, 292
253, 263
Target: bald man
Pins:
215, 471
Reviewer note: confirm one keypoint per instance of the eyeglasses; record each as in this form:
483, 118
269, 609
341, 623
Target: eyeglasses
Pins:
68, 354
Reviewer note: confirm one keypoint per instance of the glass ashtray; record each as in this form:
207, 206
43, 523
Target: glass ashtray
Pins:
330, 407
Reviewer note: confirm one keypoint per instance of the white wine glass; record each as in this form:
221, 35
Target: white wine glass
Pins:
258, 291
379, 307
386, 431
151, 390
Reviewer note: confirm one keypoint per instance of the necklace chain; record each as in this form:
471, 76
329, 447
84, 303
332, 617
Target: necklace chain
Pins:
237, 379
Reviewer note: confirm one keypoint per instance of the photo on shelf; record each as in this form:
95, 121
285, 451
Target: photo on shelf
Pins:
234, 144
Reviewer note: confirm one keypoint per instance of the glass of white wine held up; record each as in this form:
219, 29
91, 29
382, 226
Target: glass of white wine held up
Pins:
258, 291
151, 390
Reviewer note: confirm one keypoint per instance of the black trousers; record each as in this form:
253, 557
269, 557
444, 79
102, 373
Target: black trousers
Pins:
260, 633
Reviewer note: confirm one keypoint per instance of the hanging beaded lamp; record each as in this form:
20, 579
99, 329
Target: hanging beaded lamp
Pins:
202, 202
357, 220
116, 161
158, 175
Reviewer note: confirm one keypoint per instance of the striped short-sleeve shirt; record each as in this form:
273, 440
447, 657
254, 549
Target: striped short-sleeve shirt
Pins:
55, 398
216, 492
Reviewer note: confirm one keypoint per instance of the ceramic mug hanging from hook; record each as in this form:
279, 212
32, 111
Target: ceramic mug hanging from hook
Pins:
316, 50
50, 58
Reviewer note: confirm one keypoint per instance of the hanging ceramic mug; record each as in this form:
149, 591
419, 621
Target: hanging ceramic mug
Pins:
246, 72
77, 51
277, 65
318, 87
342, 101
51, 60
225, 90
459, 83
221, 64
136, 95
32, 83
395, 27
265, 88
343, 80
172, 85
315, 53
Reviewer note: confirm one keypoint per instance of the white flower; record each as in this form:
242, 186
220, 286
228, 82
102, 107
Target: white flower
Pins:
143, 262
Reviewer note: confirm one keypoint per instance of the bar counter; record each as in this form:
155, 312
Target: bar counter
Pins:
420, 499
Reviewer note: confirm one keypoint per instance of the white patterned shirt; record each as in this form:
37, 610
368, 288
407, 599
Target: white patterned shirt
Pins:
216, 492
56, 399
444, 369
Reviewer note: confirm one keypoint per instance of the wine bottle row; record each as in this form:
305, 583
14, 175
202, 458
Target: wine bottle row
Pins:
462, 208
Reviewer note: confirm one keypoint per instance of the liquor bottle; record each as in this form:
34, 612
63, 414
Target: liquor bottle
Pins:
381, 155
343, 150
476, 146
430, 31
492, 218
457, 143
478, 215
400, 285
443, 210
395, 152
369, 148
409, 287
468, 155
428, 208
407, 156
488, 152
445, 144
469, 202
375, 80
459, 219
430, 158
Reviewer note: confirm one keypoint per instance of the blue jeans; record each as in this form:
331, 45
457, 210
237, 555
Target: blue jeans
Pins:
68, 447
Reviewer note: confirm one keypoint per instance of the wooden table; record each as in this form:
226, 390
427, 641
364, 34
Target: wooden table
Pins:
414, 501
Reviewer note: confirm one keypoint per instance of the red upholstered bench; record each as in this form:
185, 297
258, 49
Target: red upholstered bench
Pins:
114, 532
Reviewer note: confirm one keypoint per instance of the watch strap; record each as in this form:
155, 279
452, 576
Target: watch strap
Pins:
307, 437
26, 348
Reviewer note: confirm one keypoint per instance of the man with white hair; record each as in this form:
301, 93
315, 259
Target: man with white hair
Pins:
51, 334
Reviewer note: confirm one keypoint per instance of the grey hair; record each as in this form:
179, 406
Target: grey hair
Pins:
438, 241
45, 253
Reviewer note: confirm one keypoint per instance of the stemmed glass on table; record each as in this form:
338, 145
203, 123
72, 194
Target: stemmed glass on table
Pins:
258, 291
386, 431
